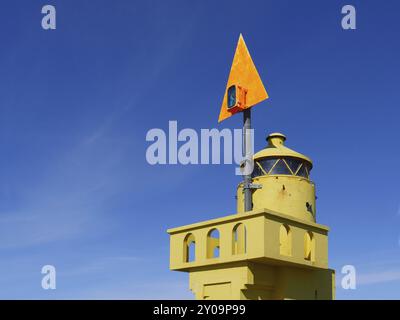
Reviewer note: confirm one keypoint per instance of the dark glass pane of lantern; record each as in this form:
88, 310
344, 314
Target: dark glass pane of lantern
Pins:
281, 168
256, 171
293, 163
268, 163
231, 96
302, 171
308, 167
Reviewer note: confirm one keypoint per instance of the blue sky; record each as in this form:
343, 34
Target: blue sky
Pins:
76, 104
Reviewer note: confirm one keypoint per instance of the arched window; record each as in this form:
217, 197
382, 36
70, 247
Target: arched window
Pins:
309, 246
213, 243
285, 240
239, 239
189, 248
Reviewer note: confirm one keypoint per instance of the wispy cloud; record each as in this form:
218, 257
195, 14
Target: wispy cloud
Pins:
103, 265
378, 277
131, 289
70, 199
377, 267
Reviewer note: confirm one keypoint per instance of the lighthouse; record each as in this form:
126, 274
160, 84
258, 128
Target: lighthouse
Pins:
272, 247
275, 251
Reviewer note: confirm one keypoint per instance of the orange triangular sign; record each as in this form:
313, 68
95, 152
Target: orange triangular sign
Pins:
244, 74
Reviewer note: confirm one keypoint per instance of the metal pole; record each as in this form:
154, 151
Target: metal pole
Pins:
248, 201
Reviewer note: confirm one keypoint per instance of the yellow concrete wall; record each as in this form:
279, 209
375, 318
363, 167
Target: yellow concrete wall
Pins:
219, 283
258, 281
272, 243
292, 200
304, 284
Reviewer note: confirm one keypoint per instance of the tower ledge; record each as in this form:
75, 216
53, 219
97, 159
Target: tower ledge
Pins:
262, 241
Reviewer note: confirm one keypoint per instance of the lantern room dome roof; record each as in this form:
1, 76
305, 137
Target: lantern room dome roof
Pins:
276, 148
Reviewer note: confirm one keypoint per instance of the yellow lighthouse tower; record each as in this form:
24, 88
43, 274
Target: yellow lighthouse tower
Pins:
272, 248
275, 251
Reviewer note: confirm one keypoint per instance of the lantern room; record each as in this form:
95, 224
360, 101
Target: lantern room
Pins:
283, 177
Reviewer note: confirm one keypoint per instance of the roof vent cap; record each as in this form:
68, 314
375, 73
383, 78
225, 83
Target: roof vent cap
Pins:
276, 139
